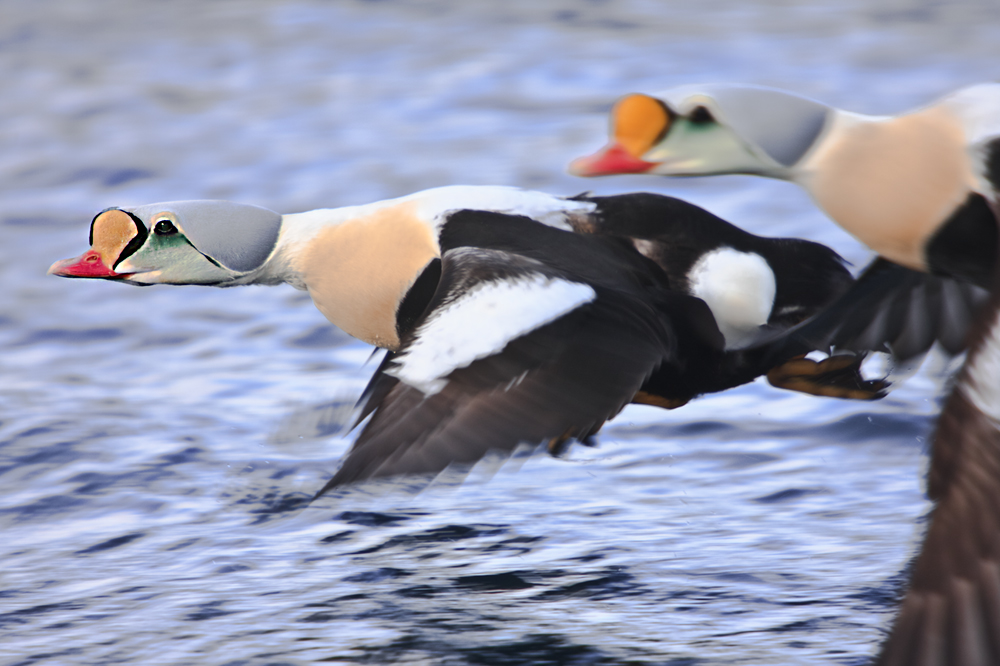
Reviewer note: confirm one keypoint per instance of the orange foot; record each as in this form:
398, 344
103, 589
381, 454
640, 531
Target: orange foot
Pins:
643, 398
834, 377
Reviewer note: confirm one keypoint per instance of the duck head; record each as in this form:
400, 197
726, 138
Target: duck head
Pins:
709, 129
178, 242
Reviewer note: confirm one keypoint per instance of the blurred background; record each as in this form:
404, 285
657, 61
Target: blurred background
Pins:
155, 443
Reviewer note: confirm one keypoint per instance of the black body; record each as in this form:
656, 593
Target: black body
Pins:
641, 332
808, 275
965, 246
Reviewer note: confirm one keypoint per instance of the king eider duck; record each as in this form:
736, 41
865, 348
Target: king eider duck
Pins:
510, 316
920, 189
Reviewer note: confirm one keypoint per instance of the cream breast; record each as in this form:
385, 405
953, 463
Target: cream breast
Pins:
358, 271
892, 182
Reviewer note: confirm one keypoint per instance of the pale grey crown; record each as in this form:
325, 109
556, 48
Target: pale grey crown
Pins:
238, 236
780, 123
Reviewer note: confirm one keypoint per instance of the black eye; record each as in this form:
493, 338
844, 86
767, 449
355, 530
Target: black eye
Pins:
164, 228
701, 115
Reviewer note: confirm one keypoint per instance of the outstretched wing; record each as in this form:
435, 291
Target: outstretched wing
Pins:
950, 615
509, 351
892, 309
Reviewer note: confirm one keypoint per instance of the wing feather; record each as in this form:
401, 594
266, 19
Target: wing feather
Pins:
890, 309
564, 377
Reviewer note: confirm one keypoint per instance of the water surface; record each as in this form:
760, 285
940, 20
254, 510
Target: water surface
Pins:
155, 444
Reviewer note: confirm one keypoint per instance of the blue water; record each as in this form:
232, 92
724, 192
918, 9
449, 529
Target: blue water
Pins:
155, 444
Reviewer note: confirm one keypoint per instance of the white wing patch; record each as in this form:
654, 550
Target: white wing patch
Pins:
983, 385
738, 287
545, 208
481, 323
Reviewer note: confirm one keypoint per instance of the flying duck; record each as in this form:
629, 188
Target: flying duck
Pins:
510, 316
920, 189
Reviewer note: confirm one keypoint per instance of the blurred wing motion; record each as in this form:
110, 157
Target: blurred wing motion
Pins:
893, 309
508, 351
951, 613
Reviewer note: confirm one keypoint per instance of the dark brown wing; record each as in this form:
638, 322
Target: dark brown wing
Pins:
566, 376
950, 615
892, 309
